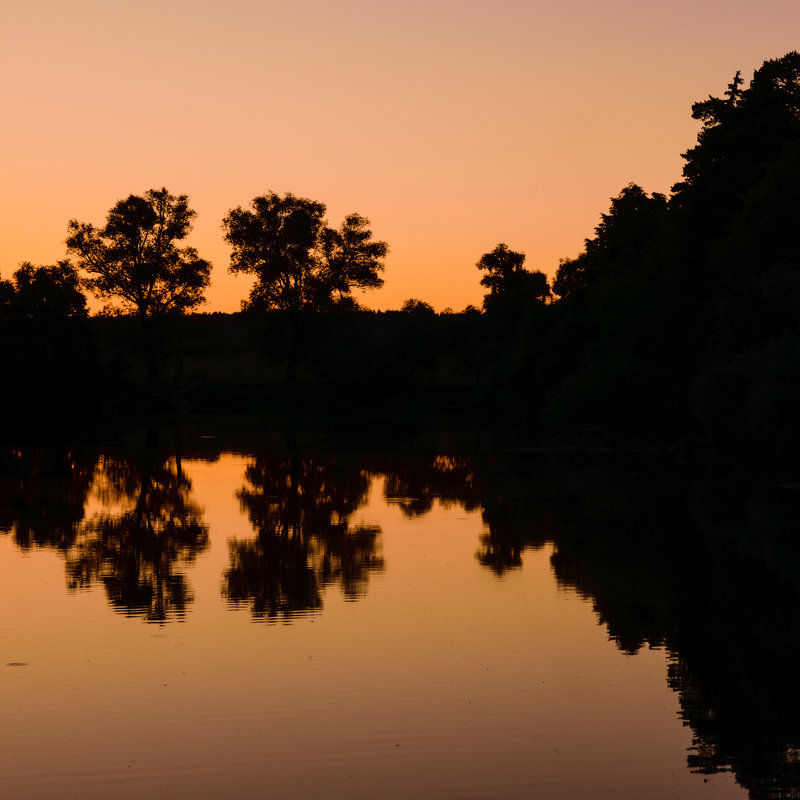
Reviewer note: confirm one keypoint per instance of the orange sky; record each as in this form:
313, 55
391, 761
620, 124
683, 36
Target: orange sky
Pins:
451, 124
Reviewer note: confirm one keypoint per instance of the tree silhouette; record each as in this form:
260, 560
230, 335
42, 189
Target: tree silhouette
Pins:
741, 132
47, 353
624, 320
42, 292
134, 261
508, 282
299, 263
415, 306
351, 259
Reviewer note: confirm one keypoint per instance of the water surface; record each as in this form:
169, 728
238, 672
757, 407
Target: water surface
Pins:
315, 624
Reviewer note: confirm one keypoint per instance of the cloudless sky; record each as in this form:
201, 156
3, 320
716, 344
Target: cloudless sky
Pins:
452, 124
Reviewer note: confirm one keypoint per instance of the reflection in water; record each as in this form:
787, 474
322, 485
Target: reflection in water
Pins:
473, 482
710, 569
707, 568
415, 483
43, 491
301, 508
134, 552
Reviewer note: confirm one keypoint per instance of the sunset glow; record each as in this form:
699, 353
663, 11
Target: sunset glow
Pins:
451, 125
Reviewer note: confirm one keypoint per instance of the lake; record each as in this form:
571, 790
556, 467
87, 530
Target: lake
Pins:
187, 619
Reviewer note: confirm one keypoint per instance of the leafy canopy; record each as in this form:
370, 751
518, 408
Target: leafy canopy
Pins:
623, 242
742, 132
135, 260
507, 280
298, 261
42, 292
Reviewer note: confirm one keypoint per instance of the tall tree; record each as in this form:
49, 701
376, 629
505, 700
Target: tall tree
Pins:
277, 242
742, 132
134, 261
299, 263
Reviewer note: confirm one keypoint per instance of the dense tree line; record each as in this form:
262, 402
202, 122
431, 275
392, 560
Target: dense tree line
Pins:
688, 304
678, 318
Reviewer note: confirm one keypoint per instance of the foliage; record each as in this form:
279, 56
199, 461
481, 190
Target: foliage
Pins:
134, 262
680, 317
741, 133
506, 279
39, 292
622, 241
134, 259
47, 353
571, 276
298, 261
415, 306
756, 264
277, 243
350, 258
301, 266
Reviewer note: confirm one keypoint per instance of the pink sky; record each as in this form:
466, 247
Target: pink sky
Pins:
452, 124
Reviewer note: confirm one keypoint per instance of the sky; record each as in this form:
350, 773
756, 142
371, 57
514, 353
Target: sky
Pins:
452, 125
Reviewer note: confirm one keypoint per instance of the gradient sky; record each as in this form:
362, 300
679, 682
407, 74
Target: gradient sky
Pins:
452, 124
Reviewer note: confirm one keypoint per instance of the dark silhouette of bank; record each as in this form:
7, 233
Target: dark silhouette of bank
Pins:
679, 317
677, 326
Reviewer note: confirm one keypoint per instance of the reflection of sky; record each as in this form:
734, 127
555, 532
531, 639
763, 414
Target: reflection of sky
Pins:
441, 680
452, 124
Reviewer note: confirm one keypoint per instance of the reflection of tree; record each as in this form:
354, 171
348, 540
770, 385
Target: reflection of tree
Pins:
301, 507
510, 527
42, 493
709, 571
715, 581
134, 552
511, 521
414, 482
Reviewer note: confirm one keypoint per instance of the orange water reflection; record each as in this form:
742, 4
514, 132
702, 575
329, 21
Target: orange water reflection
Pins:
300, 507
444, 636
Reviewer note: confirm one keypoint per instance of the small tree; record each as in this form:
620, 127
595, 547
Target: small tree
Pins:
134, 261
38, 293
299, 263
414, 306
351, 259
47, 353
510, 286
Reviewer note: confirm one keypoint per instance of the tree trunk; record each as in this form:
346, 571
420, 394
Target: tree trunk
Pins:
295, 349
150, 351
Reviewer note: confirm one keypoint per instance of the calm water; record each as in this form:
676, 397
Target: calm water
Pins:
191, 623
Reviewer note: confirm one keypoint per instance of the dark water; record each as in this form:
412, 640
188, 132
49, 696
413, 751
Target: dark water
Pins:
293, 622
